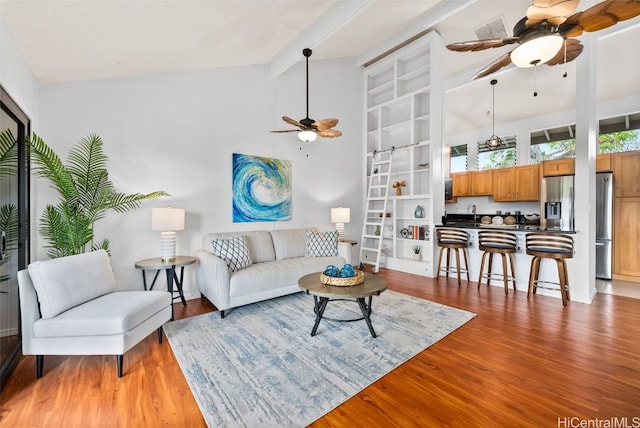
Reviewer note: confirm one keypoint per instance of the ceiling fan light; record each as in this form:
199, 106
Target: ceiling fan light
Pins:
537, 50
307, 136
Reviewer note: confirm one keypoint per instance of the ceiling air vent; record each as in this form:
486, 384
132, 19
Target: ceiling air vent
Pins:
494, 29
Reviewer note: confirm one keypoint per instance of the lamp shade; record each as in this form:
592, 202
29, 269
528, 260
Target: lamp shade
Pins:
168, 218
307, 136
340, 215
537, 50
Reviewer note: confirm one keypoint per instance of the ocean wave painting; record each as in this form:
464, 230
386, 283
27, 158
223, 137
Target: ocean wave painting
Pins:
261, 189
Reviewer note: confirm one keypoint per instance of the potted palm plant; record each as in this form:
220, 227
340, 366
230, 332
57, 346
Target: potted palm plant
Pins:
86, 194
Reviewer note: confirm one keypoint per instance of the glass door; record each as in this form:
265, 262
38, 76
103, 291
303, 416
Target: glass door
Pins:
14, 247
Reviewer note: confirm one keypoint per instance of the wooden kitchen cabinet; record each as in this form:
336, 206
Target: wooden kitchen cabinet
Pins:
626, 174
504, 184
626, 235
472, 183
559, 167
481, 182
518, 183
603, 162
461, 184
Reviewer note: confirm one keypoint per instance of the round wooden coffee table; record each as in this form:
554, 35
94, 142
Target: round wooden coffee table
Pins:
322, 294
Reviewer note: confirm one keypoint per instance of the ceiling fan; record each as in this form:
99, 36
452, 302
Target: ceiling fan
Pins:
544, 35
310, 129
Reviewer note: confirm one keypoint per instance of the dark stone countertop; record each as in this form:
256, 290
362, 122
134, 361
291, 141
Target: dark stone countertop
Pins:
513, 227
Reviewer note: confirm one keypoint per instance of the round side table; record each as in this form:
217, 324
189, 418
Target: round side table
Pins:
158, 265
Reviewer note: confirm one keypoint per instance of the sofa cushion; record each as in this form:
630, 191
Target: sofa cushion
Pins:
113, 313
233, 251
278, 274
289, 243
259, 244
66, 282
322, 244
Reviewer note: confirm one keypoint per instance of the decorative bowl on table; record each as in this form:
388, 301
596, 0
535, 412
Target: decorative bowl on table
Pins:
358, 278
532, 217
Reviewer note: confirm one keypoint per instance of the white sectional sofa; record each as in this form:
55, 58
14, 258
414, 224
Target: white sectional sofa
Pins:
278, 258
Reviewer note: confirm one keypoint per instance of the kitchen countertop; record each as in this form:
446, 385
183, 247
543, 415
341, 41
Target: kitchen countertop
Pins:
511, 227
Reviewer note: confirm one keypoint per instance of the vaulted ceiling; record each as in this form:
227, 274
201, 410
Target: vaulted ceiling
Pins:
68, 40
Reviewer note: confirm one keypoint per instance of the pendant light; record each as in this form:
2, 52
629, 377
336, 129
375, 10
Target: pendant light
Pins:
494, 141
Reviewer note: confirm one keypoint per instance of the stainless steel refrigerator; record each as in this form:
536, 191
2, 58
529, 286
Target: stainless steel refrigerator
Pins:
604, 224
556, 203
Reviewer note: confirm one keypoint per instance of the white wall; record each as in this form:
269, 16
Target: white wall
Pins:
177, 132
15, 76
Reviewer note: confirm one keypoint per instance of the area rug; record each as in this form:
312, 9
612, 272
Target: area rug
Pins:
260, 367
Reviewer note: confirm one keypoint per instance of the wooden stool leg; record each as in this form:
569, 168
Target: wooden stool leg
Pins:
458, 265
532, 275
566, 279
490, 270
504, 274
439, 264
536, 274
466, 263
562, 280
484, 255
448, 261
513, 270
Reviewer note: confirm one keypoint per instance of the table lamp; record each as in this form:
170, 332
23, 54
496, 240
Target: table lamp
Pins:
340, 216
167, 220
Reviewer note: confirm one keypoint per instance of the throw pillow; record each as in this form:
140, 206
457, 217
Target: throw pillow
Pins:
322, 244
233, 251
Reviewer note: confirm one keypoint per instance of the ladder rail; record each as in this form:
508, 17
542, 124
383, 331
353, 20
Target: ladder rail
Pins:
377, 192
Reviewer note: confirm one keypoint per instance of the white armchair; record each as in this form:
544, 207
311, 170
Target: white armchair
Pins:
70, 306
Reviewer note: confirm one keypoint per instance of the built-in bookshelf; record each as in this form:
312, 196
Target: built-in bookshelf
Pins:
404, 93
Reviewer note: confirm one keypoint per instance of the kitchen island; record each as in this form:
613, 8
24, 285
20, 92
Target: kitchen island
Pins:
548, 268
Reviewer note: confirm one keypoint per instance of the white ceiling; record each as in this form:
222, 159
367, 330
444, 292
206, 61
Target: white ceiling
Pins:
69, 40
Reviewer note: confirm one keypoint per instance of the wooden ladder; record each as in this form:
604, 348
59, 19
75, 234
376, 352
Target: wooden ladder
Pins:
375, 209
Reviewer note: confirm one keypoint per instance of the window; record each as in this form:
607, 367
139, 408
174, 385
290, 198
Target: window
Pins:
556, 143
459, 158
618, 134
503, 157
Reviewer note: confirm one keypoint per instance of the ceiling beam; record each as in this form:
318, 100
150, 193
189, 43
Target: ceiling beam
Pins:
422, 25
339, 15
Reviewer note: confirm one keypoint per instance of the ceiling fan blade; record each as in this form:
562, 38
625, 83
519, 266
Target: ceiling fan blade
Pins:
600, 16
292, 122
286, 130
574, 48
479, 45
496, 65
555, 12
329, 133
324, 124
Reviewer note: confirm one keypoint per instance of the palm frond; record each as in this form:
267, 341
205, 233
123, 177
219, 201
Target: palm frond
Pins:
104, 245
48, 165
88, 163
9, 223
8, 154
123, 203
67, 231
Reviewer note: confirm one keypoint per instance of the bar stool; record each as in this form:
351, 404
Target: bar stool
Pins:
498, 242
556, 246
452, 239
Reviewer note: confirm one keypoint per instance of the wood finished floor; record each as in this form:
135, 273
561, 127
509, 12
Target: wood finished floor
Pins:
518, 363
